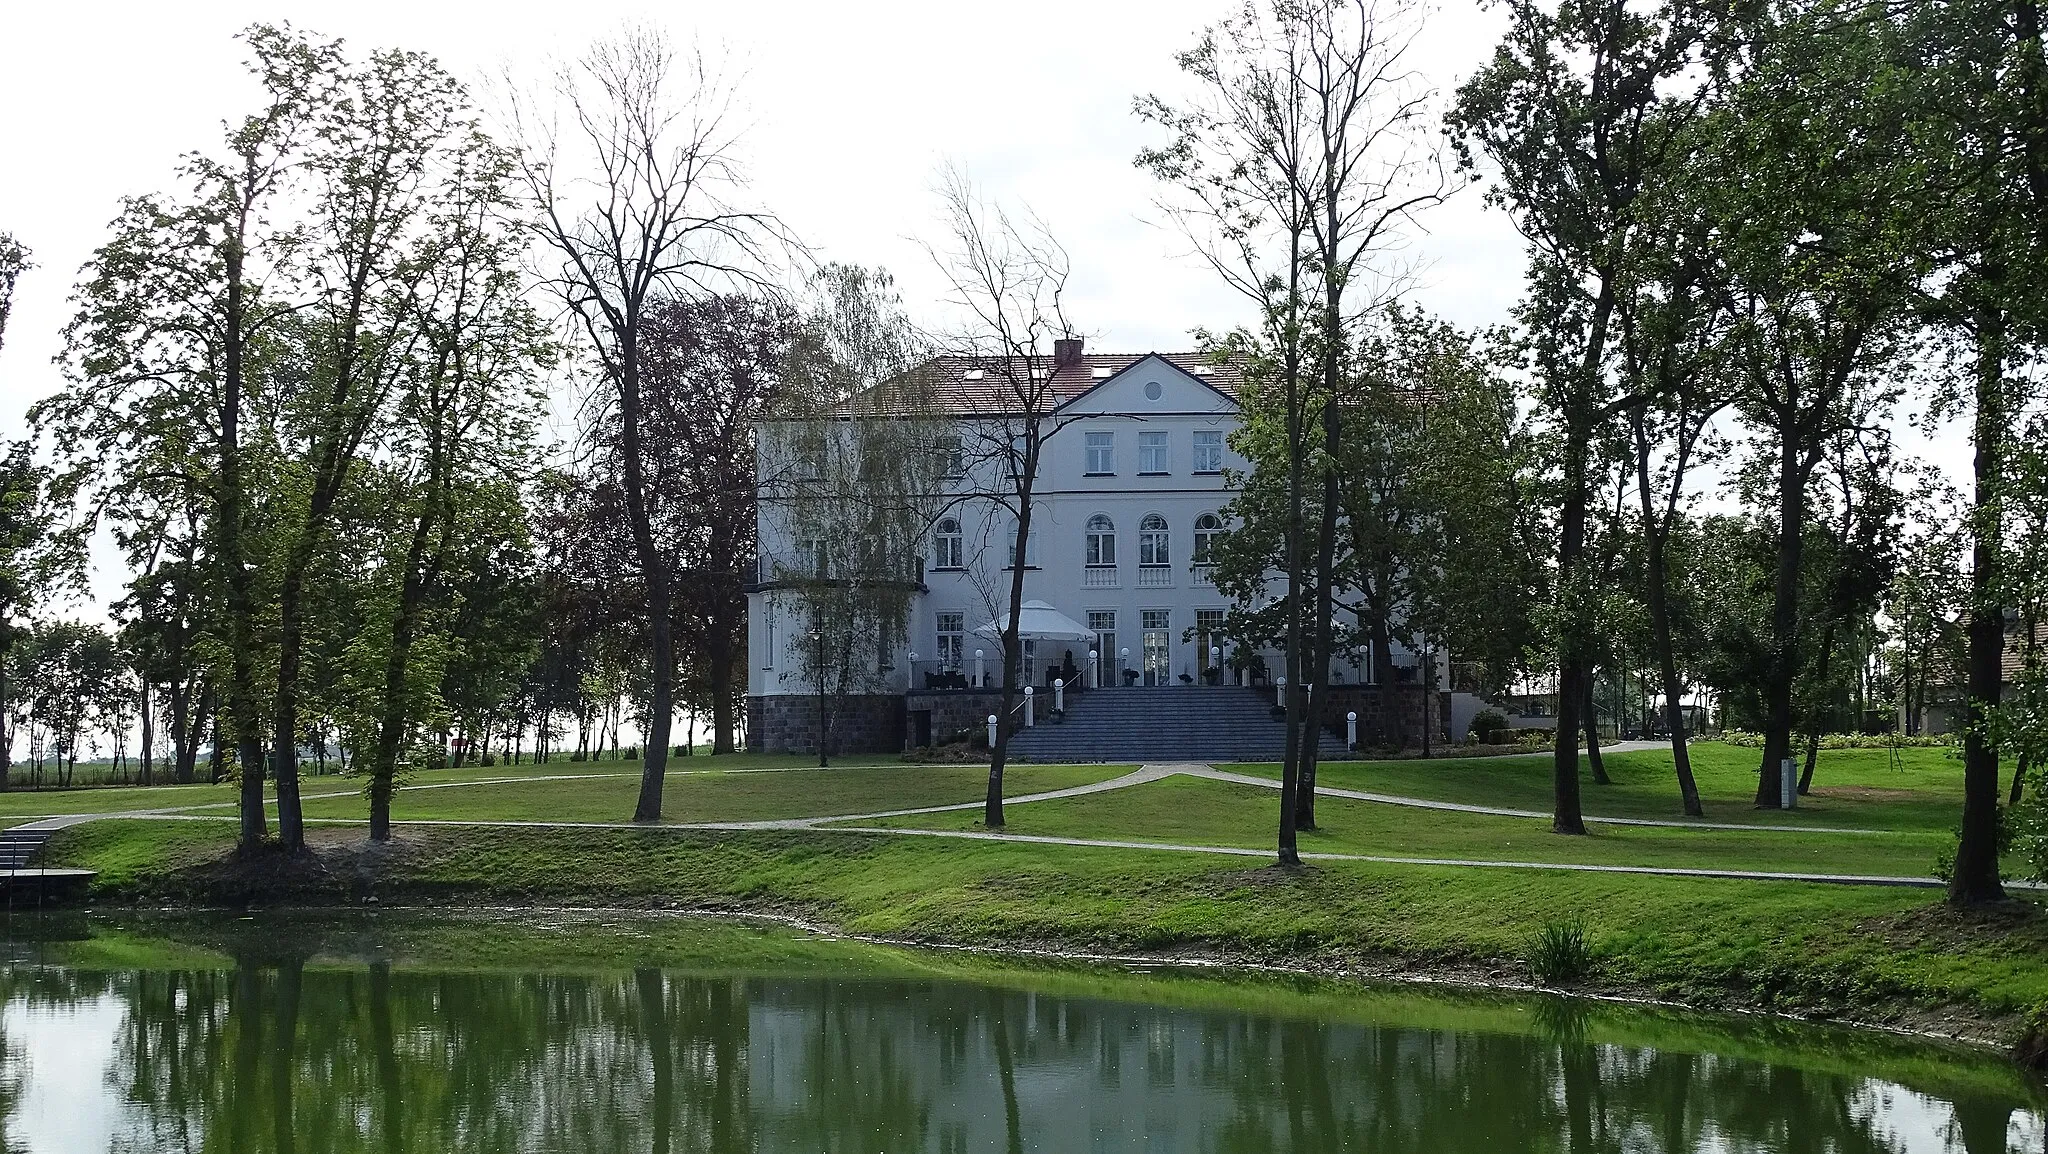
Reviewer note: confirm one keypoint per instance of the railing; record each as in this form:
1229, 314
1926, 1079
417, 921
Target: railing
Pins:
1203, 574
1155, 577
1098, 577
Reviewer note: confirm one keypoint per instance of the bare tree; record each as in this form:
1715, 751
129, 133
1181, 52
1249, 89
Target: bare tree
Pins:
1298, 171
636, 197
1010, 276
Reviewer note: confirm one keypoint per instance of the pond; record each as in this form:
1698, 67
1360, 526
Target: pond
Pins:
580, 1033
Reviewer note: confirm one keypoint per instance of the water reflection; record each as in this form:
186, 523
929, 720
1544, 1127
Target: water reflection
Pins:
279, 1055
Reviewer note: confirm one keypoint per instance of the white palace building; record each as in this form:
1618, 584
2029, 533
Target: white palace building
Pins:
1130, 494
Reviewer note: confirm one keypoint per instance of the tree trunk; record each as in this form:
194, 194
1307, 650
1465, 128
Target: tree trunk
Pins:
6, 738
1593, 737
1783, 666
654, 575
1814, 721
148, 750
1013, 653
229, 547
419, 574
1657, 534
1976, 866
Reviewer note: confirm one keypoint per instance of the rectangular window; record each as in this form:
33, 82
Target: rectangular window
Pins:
1208, 451
952, 630
1152, 452
1101, 454
1030, 548
1156, 618
810, 558
810, 457
953, 458
768, 627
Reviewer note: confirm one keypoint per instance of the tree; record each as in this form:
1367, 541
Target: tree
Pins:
1582, 108
713, 367
178, 324
1299, 168
14, 261
462, 403
655, 222
25, 526
1009, 277
859, 487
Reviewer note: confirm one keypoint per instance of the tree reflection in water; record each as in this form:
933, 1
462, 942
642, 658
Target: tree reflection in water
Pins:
280, 1055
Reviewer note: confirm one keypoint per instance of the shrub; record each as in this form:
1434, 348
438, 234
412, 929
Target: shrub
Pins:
576, 755
1487, 721
632, 753
682, 751
1748, 740
490, 759
1559, 954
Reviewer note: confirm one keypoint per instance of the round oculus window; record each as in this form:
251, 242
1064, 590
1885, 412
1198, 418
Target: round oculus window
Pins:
1151, 390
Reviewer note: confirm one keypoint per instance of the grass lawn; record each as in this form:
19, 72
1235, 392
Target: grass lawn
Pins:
115, 799
1854, 788
719, 795
1195, 811
1876, 952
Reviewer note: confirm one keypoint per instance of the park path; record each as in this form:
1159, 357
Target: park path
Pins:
835, 823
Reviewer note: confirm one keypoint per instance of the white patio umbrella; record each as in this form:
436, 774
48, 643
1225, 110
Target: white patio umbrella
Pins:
1038, 621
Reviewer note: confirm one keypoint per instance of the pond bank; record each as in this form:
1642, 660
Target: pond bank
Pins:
1895, 960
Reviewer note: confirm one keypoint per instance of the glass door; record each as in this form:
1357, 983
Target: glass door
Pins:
1158, 667
1107, 671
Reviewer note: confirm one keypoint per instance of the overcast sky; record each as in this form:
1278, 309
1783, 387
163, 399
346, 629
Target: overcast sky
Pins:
851, 110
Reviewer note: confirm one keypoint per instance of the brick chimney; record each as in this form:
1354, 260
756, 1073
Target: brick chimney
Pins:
1066, 352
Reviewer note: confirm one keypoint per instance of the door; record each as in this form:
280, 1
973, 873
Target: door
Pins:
1107, 671
1158, 667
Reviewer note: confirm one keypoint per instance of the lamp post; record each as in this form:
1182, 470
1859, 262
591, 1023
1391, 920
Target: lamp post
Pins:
978, 681
1216, 662
1028, 720
1123, 662
1094, 678
1059, 695
1351, 729
1280, 692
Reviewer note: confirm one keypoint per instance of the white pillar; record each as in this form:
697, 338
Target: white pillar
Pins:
991, 731
1093, 680
1280, 692
1059, 695
1123, 662
1028, 722
1351, 729
978, 682
1788, 785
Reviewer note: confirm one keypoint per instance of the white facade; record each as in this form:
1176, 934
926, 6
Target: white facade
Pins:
1160, 436
1131, 478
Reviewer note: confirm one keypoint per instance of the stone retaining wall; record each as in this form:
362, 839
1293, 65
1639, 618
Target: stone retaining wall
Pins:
1375, 726
788, 723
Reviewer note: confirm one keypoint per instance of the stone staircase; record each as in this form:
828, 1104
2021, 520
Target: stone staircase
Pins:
1161, 723
20, 844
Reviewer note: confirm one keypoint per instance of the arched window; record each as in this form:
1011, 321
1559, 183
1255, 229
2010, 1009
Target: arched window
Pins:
1208, 531
1101, 540
946, 544
1152, 540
